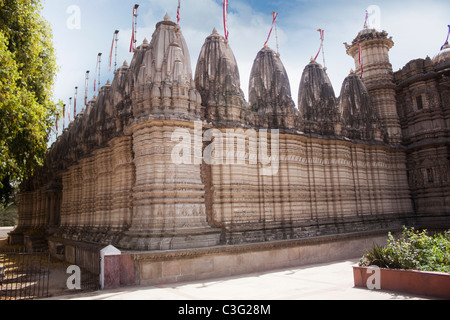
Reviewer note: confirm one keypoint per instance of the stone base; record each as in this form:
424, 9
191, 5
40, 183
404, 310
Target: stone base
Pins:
186, 239
15, 238
252, 233
162, 267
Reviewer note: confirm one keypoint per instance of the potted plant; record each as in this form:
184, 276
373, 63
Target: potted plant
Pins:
415, 263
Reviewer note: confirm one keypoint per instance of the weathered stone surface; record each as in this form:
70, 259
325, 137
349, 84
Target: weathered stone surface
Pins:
162, 72
360, 119
218, 81
423, 105
378, 77
317, 101
316, 98
270, 91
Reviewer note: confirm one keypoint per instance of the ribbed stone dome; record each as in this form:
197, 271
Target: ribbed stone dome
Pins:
269, 87
354, 103
217, 73
316, 98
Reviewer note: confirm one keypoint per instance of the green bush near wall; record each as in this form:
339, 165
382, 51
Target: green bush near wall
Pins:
8, 216
414, 250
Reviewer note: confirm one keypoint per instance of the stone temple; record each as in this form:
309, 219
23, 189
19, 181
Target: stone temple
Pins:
281, 186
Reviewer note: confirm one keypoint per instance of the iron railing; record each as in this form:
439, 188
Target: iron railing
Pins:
24, 275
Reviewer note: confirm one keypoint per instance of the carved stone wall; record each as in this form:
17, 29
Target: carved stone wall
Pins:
378, 77
423, 104
164, 159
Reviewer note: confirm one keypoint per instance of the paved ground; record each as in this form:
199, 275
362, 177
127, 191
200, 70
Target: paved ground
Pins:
333, 281
4, 231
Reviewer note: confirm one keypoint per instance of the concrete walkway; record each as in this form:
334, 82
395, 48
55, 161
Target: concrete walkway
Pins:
4, 231
332, 281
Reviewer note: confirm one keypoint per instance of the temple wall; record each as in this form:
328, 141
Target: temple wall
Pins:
336, 184
132, 194
159, 161
424, 111
168, 198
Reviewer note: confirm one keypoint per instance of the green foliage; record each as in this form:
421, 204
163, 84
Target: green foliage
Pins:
9, 216
413, 250
27, 72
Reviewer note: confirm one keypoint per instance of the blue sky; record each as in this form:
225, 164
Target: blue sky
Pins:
418, 29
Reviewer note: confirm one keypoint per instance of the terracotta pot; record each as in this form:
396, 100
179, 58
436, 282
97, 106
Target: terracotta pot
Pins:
433, 284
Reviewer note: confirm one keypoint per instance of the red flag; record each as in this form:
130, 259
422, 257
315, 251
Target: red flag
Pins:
178, 12
275, 15
110, 55
365, 21
225, 18
322, 37
133, 40
361, 60
64, 116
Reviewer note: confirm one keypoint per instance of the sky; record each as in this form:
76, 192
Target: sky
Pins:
84, 28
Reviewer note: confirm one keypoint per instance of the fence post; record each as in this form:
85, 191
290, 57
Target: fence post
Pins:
105, 252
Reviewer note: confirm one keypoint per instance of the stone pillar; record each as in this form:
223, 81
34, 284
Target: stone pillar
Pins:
123, 178
378, 77
102, 214
169, 198
88, 187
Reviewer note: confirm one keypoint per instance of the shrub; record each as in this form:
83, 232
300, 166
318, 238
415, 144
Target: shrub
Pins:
8, 216
412, 250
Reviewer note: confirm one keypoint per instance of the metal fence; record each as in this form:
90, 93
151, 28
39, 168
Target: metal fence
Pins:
89, 262
24, 275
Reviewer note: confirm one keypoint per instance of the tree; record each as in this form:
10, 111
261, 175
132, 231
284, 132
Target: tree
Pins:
27, 74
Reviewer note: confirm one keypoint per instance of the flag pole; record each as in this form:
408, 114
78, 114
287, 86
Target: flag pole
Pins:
70, 107
136, 6
322, 33
276, 38
99, 57
86, 84
75, 104
57, 118
274, 18
134, 28
64, 116
115, 57
361, 60
115, 39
